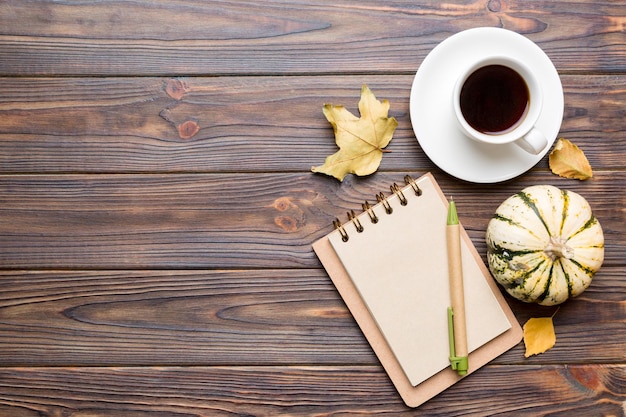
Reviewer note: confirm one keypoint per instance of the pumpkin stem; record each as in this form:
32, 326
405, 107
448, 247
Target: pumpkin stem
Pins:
557, 248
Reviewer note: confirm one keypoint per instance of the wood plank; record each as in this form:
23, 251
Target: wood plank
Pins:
271, 37
157, 209
304, 391
229, 220
179, 317
244, 317
100, 125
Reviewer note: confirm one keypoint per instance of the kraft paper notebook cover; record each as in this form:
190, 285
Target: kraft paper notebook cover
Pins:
389, 264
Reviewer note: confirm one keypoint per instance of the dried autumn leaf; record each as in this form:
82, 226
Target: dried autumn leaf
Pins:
569, 161
361, 140
539, 335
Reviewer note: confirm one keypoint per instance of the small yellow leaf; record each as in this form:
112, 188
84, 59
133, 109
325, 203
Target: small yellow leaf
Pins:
361, 140
539, 335
569, 161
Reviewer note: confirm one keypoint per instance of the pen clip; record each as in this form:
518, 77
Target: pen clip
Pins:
458, 363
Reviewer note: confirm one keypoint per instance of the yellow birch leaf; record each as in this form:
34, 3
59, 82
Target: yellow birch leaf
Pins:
539, 335
569, 161
361, 140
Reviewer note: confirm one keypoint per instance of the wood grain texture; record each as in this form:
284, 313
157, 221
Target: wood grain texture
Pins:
589, 390
157, 207
114, 318
98, 125
274, 37
228, 220
178, 318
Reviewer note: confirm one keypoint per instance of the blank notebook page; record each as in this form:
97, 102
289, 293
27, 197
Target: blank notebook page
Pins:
400, 268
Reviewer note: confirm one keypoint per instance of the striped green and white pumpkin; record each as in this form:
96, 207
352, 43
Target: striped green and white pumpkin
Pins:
544, 245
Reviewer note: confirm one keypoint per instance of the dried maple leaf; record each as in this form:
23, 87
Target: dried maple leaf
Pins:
539, 335
361, 140
569, 161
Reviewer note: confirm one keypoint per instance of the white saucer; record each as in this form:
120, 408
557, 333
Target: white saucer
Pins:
433, 118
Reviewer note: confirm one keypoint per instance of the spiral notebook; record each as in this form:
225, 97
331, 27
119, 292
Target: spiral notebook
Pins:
389, 264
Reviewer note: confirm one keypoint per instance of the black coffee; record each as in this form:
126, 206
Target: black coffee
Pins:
494, 99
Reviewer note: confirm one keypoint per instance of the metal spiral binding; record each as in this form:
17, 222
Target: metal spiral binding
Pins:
342, 231
352, 217
367, 208
410, 181
397, 191
381, 199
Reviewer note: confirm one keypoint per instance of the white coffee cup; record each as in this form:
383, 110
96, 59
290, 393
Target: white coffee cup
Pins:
498, 100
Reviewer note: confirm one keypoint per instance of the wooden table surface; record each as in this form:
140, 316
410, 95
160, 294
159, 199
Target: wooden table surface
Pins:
157, 207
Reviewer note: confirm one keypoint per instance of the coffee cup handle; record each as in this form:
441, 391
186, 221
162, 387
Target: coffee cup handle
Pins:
533, 142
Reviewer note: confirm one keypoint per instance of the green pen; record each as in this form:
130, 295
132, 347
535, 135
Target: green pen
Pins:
456, 313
